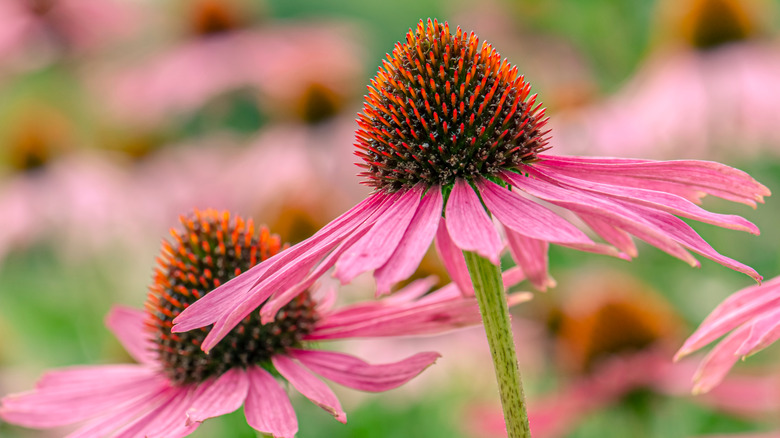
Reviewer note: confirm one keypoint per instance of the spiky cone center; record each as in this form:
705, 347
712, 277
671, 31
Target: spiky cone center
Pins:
442, 107
210, 250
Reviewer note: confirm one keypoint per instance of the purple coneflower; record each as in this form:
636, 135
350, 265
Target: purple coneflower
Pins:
449, 137
176, 386
752, 315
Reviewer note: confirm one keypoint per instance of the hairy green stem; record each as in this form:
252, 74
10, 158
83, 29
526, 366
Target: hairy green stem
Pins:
489, 289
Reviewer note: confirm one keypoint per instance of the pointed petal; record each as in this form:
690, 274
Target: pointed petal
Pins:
167, 420
378, 244
469, 225
609, 212
659, 200
355, 373
267, 407
291, 273
763, 331
528, 218
531, 255
415, 242
108, 423
262, 280
678, 176
719, 361
453, 260
621, 239
219, 396
127, 324
713, 328
311, 387
94, 390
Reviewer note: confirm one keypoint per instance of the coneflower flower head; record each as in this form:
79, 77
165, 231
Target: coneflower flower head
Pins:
176, 385
453, 145
209, 251
443, 106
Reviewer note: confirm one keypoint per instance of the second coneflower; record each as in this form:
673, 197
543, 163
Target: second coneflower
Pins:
449, 137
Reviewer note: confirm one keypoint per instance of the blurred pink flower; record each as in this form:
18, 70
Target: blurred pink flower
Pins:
615, 336
417, 182
175, 386
557, 414
720, 103
708, 92
37, 31
752, 315
280, 61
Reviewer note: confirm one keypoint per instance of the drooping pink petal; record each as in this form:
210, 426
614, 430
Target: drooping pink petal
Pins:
764, 330
415, 242
267, 407
355, 373
219, 396
680, 176
269, 310
531, 256
291, 273
621, 239
58, 400
411, 292
607, 211
713, 328
127, 324
658, 228
375, 247
311, 387
453, 260
426, 317
167, 420
255, 283
123, 414
718, 362
528, 218
745, 297
469, 225
659, 200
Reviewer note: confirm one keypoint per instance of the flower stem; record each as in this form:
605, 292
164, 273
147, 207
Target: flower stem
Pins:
489, 289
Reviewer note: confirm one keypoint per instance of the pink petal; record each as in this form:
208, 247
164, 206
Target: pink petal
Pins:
429, 316
719, 361
659, 200
531, 256
355, 373
745, 297
267, 407
128, 325
414, 244
469, 225
764, 330
607, 211
167, 420
93, 391
219, 396
528, 218
621, 239
380, 242
453, 260
411, 292
291, 272
311, 387
294, 263
712, 328
124, 413
679, 176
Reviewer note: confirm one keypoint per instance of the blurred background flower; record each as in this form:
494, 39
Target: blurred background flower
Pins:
118, 116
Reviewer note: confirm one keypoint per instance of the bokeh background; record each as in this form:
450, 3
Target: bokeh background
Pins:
117, 116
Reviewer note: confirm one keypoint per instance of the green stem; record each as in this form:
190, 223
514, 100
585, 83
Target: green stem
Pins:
489, 289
